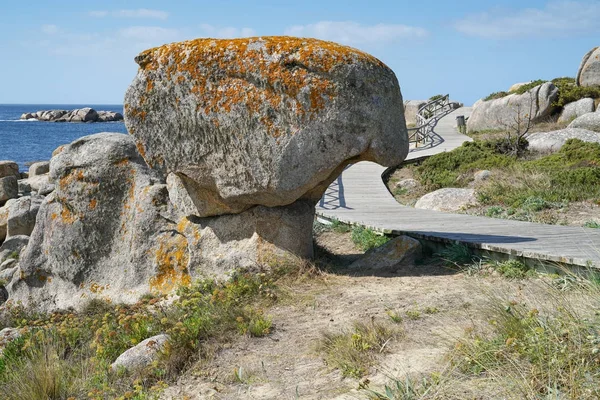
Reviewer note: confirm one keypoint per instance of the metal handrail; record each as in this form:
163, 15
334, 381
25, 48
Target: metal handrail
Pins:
427, 115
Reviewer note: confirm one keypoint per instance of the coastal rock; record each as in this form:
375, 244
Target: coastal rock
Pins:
21, 215
9, 188
262, 121
589, 121
517, 86
11, 248
589, 69
554, 140
179, 196
109, 116
448, 200
501, 113
3, 221
402, 250
50, 115
39, 168
408, 184
576, 109
86, 114
142, 355
9, 168
34, 184
411, 108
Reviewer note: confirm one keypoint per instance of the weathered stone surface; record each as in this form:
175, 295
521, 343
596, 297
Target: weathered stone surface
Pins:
576, 109
402, 250
39, 168
590, 121
109, 116
502, 113
142, 355
9, 188
179, 197
411, 108
9, 168
589, 69
86, 114
8, 263
3, 221
408, 184
448, 200
6, 275
517, 86
262, 121
12, 247
35, 183
553, 141
21, 215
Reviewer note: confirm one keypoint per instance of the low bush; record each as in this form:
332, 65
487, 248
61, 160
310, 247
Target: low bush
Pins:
367, 239
528, 86
496, 95
568, 91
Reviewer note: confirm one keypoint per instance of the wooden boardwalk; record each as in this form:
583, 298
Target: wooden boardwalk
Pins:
359, 196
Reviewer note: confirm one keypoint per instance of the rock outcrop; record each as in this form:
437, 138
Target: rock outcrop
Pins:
262, 121
9, 168
9, 188
448, 200
535, 104
39, 168
141, 355
589, 70
589, 121
86, 114
411, 108
576, 109
553, 141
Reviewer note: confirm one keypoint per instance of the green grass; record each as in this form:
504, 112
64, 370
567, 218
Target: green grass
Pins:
592, 224
457, 254
513, 269
67, 354
366, 239
355, 350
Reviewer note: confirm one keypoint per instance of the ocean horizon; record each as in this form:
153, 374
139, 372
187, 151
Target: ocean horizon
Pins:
29, 141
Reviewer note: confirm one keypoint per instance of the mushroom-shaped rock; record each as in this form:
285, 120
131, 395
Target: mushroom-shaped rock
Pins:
262, 121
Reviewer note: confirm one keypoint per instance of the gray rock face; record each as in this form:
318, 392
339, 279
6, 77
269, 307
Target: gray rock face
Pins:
109, 116
21, 215
86, 114
39, 168
12, 247
411, 107
589, 121
501, 113
9, 168
262, 121
402, 250
448, 200
589, 69
3, 221
554, 140
9, 188
8, 263
142, 355
576, 109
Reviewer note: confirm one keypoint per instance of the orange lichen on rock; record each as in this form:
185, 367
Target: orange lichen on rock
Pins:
67, 216
73, 176
172, 258
260, 74
93, 204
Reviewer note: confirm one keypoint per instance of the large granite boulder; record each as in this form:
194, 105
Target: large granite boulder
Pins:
21, 215
589, 69
554, 140
411, 108
262, 121
576, 109
589, 121
9, 188
3, 221
503, 114
9, 168
39, 168
448, 200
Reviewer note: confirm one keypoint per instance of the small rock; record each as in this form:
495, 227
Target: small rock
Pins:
482, 175
400, 250
408, 184
9, 188
22, 214
12, 246
39, 168
589, 121
576, 109
9, 168
9, 263
141, 355
553, 141
448, 200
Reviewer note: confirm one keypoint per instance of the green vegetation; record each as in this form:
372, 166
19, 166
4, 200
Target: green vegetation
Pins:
355, 350
592, 224
496, 95
366, 239
528, 86
513, 269
67, 355
569, 92
457, 254
436, 97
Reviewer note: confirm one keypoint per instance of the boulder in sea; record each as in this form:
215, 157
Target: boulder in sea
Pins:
501, 114
589, 69
448, 200
576, 109
109, 116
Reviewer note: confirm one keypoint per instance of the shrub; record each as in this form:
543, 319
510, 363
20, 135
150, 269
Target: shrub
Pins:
457, 254
528, 86
366, 239
568, 91
496, 95
513, 269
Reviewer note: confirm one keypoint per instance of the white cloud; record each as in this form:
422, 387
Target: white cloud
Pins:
557, 18
228, 32
139, 13
150, 34
50, 29
353, 33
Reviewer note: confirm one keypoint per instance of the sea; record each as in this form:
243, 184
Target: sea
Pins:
29, 141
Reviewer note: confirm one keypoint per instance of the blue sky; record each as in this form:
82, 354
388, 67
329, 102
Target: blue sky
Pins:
82, 52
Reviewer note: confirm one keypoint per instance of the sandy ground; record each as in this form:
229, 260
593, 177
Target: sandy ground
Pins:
286, 364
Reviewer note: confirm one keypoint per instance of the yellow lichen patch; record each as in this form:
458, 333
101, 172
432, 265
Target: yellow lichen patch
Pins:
172, 258
93, 204
67, 216
260, 74
73, 176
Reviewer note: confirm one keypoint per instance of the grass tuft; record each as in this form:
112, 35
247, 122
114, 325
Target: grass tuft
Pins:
367, 239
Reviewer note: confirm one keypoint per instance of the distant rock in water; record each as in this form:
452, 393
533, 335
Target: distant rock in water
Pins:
86, 114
